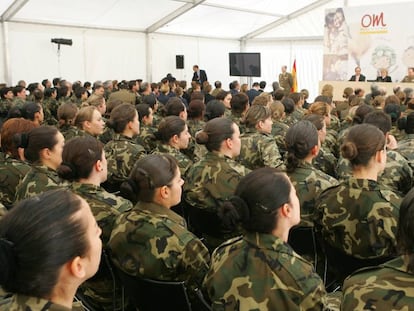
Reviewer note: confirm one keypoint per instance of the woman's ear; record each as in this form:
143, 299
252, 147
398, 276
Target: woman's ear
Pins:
315, 150
285, 210
98, 166
77, 267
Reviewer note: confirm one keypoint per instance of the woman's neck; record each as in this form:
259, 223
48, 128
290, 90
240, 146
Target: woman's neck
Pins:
363, 172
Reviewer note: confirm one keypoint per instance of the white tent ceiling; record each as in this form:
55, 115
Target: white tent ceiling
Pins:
229, 19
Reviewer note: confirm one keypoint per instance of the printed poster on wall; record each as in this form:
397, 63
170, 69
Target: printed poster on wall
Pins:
371, 37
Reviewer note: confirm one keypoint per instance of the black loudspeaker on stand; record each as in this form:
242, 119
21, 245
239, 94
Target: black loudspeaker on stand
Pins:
179, 61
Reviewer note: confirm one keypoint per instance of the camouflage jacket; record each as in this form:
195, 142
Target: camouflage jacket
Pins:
309, 182
406, 149
39, 179
359, 218
386, 287
146, 138
5, 105
261, 272
12, 171
237, 119
279, 130
152, 241
121, 153
397, 174
105, 206
26, 303
212, 180
326, 162
69, 131
184, 162
259, 150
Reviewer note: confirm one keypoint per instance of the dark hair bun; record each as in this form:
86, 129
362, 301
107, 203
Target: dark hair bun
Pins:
202, 138
349, 150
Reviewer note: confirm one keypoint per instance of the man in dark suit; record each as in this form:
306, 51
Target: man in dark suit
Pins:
358, 76
253, 92
199, 75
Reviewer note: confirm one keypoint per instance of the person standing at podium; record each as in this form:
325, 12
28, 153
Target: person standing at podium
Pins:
358, 76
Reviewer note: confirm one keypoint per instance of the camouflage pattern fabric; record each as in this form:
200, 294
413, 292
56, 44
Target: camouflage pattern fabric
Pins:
3, 211
279, 130
397, 174
326, 162
48, 117
309, 182
12, 172
18, 102
184, 162
105, 207
69, 131
52, 106
237, 119
397, 133
146, 138
335, 124
212, 180
5, 105
359, 218
107, 135
406, 149
195, 126
259, 150
386, 287
297, 114
39, 179
21, 302
261, 272
152, 241
121, 153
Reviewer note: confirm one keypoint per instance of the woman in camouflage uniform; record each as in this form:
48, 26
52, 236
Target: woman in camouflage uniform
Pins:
89, 121
49, 245
359, 217
303, 145
66, 115
122, 151
390, 285
85, 167
12, 167
152, 241
258, 147
260, 271
174, 136
43, 150
214, 178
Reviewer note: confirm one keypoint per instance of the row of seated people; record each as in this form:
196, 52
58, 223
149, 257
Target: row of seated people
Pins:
206, 180
256, 270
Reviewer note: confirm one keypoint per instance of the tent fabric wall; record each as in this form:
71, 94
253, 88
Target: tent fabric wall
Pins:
104, 54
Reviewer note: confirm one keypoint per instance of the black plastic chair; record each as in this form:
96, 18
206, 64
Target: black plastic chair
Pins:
147, 294
342, 265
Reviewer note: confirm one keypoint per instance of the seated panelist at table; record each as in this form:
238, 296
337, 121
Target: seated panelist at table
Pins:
384, 77
358, 76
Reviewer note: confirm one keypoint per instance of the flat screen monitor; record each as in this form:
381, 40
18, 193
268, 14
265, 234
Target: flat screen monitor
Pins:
245, 64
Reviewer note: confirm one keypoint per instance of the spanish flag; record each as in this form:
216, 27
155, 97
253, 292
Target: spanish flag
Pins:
295, 81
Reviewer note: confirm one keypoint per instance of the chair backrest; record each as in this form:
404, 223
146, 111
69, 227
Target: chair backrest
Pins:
343, 264
146, 294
